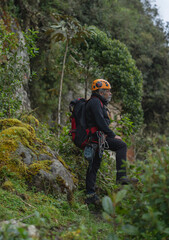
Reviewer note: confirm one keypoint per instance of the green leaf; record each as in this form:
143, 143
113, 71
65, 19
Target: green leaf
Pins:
107, 205
112, 237
166, 231
129, 229
107, 217
120, 195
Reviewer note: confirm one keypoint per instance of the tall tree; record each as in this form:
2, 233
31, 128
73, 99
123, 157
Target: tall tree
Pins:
110, 59
136, 23
68, 30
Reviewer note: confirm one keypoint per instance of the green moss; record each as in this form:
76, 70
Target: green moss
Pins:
6, 147
30, 119
19, 133
10, 137
15, 135
7, 123
63, 162
16, 131
12, 133
14, 165
8, 185
35, 167
70, 235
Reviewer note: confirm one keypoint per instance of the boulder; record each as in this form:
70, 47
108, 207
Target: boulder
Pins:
58, 179
27, 156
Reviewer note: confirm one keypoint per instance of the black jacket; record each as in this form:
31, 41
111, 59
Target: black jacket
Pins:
96, 114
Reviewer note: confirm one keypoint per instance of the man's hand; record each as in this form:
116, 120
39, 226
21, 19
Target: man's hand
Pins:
117, 137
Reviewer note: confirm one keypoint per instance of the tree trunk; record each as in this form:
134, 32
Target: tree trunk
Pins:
86, 82
86, 88
61, 83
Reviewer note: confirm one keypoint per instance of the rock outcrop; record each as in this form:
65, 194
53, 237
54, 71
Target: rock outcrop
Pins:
28, 157
22, 59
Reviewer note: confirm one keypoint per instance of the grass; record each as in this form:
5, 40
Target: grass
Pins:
53, 216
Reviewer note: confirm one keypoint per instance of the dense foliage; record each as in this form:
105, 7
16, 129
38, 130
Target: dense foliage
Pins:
115, 63
141, 212
98, 57
135, 23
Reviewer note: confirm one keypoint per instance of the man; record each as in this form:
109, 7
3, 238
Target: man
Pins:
96, 116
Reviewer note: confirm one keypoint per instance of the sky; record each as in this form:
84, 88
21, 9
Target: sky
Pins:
163, 7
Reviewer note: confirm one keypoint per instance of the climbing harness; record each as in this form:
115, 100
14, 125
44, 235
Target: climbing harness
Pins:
91, 148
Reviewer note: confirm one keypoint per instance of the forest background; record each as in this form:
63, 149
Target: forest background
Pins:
68, 44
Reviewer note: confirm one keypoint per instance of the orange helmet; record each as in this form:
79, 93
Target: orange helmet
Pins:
100, 84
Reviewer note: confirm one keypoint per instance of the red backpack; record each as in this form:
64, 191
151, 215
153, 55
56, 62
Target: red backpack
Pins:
79, 131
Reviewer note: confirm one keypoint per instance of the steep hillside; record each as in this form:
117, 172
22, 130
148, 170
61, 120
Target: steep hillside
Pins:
50, 52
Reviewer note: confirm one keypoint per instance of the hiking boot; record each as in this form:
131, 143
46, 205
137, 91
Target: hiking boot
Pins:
92, 198
126, 181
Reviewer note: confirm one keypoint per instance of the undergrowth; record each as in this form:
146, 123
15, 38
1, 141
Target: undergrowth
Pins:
54, 217
125, 210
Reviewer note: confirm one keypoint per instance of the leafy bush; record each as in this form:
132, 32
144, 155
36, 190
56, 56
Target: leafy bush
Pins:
120, 69
124, 128
141, 212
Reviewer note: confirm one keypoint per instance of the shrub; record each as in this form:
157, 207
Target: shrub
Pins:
142, 212
115, 64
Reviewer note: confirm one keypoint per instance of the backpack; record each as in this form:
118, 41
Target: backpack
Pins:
79, 131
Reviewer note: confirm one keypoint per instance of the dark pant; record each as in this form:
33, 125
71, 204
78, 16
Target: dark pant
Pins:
120, 148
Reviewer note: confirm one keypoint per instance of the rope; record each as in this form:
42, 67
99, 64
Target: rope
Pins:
103, 144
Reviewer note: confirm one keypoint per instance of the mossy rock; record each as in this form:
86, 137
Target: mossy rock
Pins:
55, 181
7, 123
14, 133
6, 147
18, 134
29, 158
36, 167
